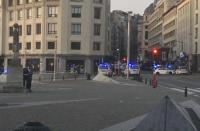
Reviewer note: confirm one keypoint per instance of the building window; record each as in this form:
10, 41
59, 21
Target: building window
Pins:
146, 34
29, 13
146, 43
76, 29
52, 28
52, 11
10, 46
11, 31
196, 19
76, 12
196, 47
97, 29
20, 30
28, 29
20, 14
38, 29
28, 1
11, 15
10, 3
75, 45
28, 45
97, 46
51, 45
38, 12
38, 45
19, 2
38, 0
98, 1
97, 13
196, 33
197, 6
49, 64
20, 46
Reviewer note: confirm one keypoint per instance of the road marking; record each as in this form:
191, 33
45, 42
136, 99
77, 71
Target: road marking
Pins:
194, 90
181, 90
186, 82
43, 103
176, 89
129, 84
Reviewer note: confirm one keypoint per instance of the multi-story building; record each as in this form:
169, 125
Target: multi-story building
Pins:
155, 25
145, 32
77, 31
174, 25
195, 22
136, 37
1, 31
169, 32
119, 33
188, 32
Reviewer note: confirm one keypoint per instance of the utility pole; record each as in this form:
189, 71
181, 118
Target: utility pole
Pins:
128, 45
55, 60
118, 61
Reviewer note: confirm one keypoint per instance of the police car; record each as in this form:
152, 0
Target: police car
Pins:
181, 70
105, 69
164, 70
134, 69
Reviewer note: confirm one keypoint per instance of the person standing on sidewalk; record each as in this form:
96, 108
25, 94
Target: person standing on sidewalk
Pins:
29, 80
25, 76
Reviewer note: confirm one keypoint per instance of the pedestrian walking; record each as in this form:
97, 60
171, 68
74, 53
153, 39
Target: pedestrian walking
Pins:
25, 76
29, 79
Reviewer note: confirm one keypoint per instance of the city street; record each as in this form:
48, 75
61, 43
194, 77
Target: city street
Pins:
88, 105
178, 82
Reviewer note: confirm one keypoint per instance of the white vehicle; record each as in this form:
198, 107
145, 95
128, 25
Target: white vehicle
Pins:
181, 70
133, 70
105, 69
163, 71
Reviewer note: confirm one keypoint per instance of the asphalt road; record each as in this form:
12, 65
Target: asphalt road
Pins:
82, 105
178, 82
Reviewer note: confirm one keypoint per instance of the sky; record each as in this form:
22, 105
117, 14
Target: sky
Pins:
137, 6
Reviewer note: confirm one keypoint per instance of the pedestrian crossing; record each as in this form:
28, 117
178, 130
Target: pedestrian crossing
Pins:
191, 91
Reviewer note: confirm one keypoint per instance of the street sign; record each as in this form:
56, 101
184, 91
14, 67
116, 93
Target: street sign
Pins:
182, 54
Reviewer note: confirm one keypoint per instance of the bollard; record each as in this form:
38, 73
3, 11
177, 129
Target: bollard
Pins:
88, 76
51, 78
154, 81
39, 78
32, 126
186, 91
63, 77
145, 80
141, 78
150, 82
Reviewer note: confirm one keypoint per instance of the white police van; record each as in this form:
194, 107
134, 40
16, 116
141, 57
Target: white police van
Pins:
105, 69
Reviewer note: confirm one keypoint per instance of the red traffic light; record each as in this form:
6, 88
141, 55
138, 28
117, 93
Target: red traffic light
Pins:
155, 51
124, 58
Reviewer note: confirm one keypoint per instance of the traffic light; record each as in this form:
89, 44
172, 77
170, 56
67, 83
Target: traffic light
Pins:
124, 59
155, 51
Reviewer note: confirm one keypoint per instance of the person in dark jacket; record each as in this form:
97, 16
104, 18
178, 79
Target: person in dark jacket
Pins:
25, 76
29, 79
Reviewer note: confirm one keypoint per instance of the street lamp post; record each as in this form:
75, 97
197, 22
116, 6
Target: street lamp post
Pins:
55, 61
118, 62
128, 45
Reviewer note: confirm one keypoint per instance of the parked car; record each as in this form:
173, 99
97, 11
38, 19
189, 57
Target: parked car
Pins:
105, 69
181, 70
133, 70
164, 71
